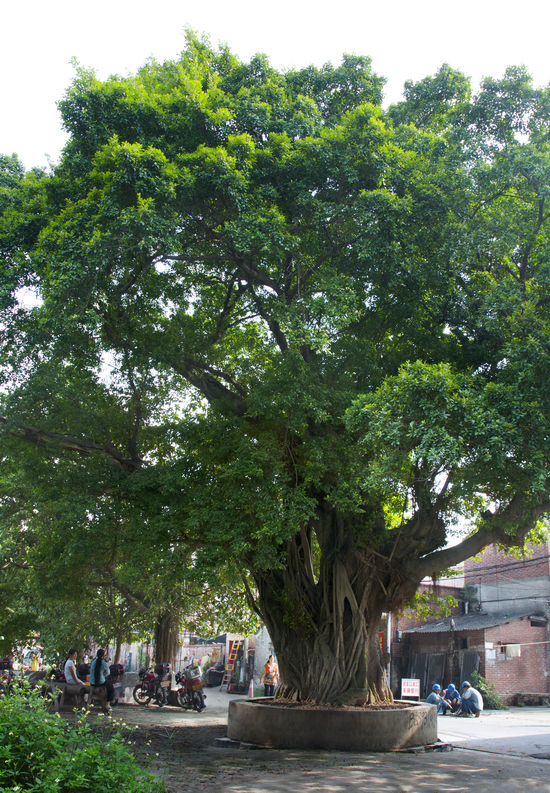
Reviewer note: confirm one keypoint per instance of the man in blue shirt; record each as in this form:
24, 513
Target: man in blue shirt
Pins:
435, 698
452, 696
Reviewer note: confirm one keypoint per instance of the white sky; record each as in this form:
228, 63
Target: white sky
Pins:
406, 40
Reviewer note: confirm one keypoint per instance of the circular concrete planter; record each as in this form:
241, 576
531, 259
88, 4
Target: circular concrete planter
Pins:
357, 730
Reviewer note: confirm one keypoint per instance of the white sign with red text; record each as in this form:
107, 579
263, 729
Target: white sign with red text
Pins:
410, 688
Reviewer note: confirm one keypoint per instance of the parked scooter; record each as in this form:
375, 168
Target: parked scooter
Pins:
190, 693
153, 685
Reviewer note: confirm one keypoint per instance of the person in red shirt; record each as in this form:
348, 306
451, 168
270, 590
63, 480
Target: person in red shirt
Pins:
270, 677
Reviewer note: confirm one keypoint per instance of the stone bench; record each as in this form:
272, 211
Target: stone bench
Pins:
97, 694
60, 689
83, 696
532, 699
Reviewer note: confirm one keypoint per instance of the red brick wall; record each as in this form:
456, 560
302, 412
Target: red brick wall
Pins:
518, 675
495, 566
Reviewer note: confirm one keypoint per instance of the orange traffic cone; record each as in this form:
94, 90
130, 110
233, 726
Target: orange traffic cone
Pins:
251, 689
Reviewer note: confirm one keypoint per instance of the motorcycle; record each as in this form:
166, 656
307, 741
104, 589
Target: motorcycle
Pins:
189, 694
153, 685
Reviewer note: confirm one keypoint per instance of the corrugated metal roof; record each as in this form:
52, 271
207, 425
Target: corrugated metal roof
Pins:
469, 622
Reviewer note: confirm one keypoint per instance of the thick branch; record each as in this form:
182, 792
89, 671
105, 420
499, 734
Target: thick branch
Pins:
85, 448
209, 386
250, 599
218, 373
490, 533
272, 324
132, 600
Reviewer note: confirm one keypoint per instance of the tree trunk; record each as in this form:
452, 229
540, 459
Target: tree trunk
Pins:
118, 646
326, 632
166, 638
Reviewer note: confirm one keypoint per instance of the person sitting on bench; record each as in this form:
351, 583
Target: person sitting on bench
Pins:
69, 670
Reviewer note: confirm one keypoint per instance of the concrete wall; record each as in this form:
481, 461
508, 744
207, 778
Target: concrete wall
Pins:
515, 597
342, 729
263, 649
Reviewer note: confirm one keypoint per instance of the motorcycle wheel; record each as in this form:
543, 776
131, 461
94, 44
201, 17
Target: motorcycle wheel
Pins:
159, 698
198, 701
141, 695
183, 701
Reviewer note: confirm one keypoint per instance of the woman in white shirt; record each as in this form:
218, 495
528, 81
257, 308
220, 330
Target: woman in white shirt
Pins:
70, 670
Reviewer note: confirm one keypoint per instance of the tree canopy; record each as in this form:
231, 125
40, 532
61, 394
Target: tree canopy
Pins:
275, 323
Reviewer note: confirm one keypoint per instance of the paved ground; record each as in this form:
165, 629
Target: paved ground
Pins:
518, 731
493, 752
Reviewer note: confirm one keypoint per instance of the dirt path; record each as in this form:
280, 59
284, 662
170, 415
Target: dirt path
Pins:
179, 747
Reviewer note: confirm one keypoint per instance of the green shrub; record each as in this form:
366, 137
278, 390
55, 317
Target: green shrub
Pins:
41, 753
491, 699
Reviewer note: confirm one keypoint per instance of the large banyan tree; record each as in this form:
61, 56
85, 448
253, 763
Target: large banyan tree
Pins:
291, 328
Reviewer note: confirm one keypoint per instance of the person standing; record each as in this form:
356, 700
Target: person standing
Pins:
270, 677
472, 701
99, 670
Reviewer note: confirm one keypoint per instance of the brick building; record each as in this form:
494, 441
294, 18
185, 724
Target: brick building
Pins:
507, 639
510, 651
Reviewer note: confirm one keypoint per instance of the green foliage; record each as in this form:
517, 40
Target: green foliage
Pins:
41, 752
491, 699
266, 309
429, 604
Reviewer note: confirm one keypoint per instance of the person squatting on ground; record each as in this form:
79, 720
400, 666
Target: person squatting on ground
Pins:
452, 696
98, 671
472, 701
270, 677
435, 698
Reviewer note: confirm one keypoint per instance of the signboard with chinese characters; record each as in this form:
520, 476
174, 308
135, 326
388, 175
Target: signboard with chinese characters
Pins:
410, 688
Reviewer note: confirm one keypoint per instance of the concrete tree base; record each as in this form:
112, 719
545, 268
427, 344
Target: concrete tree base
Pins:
348, 730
